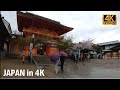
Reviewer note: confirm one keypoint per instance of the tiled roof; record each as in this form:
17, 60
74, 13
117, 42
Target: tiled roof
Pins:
40, 17
53, 23
108, 43
7, 25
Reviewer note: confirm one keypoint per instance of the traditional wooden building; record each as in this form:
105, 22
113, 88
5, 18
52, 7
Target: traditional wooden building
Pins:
110, 50
30, 24
5, 36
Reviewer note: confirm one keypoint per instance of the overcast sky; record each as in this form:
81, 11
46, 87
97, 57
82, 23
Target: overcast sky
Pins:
86, 24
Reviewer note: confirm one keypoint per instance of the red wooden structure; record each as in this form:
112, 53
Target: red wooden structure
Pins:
29, 24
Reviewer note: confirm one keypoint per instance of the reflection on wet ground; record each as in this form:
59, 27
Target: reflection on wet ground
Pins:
91, 69
104, 73
95, 68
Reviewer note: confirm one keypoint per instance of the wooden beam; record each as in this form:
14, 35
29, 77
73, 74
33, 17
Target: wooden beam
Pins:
41, 32
40, 23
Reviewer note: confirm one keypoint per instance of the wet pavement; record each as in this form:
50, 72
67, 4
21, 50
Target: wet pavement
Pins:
87, 69
95, 68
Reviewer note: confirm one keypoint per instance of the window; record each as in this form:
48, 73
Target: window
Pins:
103, 47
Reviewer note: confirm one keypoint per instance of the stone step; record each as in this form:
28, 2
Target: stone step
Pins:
42, 60
2, 54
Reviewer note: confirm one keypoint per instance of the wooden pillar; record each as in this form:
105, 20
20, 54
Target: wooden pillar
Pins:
8, 44
48, 49
17, 46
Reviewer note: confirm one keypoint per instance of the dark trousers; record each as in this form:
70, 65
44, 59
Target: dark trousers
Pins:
62, 59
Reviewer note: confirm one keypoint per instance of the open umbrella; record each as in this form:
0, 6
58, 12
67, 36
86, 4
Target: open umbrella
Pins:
54, 57
63, 53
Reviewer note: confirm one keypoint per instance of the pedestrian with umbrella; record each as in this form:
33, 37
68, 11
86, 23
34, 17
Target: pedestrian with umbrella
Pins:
62, 59
75, 54
56, 59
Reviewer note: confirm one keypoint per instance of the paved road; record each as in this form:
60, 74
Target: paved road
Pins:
96, 68
88, 69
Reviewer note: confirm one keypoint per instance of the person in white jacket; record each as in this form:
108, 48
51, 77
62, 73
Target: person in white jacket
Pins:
57, 65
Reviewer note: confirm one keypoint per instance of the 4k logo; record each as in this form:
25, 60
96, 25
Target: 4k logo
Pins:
109, 20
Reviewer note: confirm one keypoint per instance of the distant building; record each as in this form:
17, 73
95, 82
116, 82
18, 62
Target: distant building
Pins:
110, 50
86, 47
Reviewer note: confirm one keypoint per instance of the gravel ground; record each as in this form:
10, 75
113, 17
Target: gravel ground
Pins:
95, 68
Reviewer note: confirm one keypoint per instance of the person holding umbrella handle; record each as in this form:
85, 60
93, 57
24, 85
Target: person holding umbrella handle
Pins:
62, 59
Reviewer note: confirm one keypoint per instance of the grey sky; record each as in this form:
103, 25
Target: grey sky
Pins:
11, 17
86, 24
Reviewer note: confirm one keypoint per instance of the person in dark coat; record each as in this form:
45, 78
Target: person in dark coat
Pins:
62, 60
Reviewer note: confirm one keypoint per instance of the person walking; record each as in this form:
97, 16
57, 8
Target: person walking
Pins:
62, 60
56, 65
75, 58
23, 56
75, 54
81, 56
55, 58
